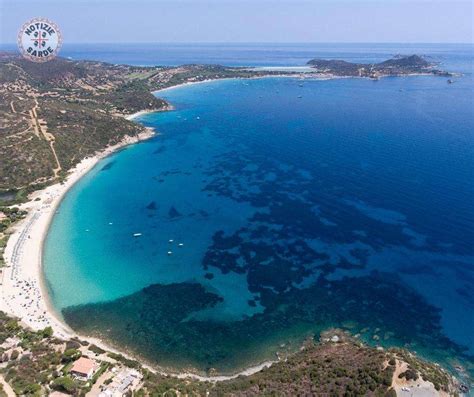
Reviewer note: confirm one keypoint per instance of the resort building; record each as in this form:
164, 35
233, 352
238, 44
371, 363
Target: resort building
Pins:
84, 368
125, 380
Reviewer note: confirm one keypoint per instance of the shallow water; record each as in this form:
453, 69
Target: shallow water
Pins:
300, 206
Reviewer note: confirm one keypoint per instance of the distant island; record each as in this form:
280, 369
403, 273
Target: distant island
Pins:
397, 66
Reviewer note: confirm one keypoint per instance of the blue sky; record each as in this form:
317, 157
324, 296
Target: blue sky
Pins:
246, 20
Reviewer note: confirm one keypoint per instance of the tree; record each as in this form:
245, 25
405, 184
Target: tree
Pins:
391, 393
64, 383
32, 389
47, 332
71, 355
14, 355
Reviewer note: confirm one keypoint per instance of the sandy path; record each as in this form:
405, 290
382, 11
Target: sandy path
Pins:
7, 388
418, 388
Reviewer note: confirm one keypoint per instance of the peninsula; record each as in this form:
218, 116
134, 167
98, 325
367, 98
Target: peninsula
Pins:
397, 66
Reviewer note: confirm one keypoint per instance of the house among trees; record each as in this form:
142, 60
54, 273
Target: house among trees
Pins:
84, 368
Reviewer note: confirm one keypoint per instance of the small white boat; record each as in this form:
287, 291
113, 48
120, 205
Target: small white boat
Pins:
110, 223
170, 252
137, 234
170, 240
180, 244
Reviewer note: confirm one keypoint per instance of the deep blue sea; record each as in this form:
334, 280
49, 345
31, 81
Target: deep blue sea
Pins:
271, 209
458, 56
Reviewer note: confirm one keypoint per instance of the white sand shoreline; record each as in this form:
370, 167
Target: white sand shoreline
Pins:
302, 76
23, 290
135, 115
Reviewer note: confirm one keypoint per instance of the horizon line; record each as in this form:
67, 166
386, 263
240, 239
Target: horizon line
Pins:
258, 42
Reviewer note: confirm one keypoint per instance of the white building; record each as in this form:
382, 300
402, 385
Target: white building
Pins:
121, 383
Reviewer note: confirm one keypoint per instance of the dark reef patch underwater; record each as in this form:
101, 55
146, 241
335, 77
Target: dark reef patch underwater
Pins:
269, 210
157, 321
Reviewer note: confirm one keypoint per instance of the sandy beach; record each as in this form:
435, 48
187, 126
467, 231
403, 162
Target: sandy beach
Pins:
22, 293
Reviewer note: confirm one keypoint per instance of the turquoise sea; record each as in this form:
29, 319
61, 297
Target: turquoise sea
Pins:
271, 209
